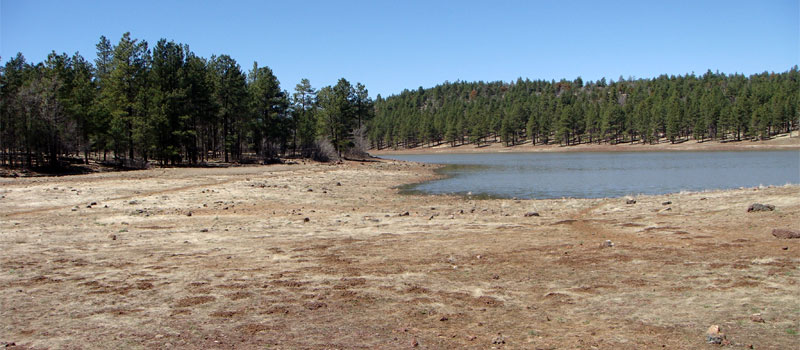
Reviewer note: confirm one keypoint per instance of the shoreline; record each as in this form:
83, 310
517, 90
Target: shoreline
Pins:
780, 143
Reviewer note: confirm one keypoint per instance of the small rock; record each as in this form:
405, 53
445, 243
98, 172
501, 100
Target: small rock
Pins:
666, 203
665, 209
714, 335
204, 230
404, 214
757, 318
93, 203
495, 277
133, 202
306, 220
607, 244
113, 237
414, 343
338, 184
531, 213
785, 248
630, 201
189, 214
785, 233
760, 207
499, 340
310, 190
444, 318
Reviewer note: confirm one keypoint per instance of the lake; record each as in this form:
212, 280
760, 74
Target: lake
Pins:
597, 175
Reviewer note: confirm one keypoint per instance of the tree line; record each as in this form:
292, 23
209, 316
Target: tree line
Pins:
135, 104
664, 109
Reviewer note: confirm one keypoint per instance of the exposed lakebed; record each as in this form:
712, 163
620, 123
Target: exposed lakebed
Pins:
597, 174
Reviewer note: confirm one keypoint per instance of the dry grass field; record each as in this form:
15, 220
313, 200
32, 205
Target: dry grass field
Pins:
316, 256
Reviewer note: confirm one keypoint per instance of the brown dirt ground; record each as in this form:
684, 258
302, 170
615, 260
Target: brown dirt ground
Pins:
247, 271
780, 142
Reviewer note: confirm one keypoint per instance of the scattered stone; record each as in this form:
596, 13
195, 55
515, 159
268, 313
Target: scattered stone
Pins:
204, 230
785, 233
666, 203
499, 339
338, 184
404, 214
93, 203
714, 335
133, 202
531, 213
785, 248
630, 201
607, 244
444, 318
495, 277
310, 190
704, 198
757, 318
760, 207
306, 220
414, 343
665, 209
431, 218
113, 237
189, 214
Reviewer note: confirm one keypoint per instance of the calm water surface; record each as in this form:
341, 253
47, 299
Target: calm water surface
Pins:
596, 175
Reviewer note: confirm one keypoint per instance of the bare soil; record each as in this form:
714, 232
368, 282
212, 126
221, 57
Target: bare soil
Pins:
315, 256
780, 142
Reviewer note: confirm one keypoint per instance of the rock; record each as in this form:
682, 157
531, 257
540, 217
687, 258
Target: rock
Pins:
444, 318
306, 219
404, 214
113, 237
714, 335
204, 230
499, 339
189, 214
630, 201
414, 343
607, 244
666, 203
310, 190
338, 184
757, 318
665, 210
760, 207
785, 233
133, 202
93, 203
531, 213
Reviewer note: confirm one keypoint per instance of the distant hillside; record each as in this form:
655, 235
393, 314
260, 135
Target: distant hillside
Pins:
712, 106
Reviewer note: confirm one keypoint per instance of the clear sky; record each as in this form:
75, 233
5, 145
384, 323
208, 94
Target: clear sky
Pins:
394, 45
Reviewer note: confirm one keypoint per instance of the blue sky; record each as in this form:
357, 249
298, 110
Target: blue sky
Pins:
393, 45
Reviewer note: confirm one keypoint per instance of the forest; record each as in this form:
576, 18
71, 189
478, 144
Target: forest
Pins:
673, 109
135, 105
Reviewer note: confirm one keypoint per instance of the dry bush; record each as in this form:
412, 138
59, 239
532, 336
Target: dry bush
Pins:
324, 151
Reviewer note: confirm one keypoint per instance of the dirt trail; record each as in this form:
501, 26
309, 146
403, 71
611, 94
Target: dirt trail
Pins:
319, 256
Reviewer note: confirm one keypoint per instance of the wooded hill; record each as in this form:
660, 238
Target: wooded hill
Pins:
676, 108
135, 105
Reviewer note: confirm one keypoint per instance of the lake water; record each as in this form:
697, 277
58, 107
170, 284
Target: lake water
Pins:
597, 175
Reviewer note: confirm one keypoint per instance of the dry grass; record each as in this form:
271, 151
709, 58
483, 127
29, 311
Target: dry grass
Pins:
247, 271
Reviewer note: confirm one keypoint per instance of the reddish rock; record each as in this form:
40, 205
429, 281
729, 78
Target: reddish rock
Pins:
785, 233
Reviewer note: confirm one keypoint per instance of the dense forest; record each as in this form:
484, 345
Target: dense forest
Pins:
136, 104
664, 109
